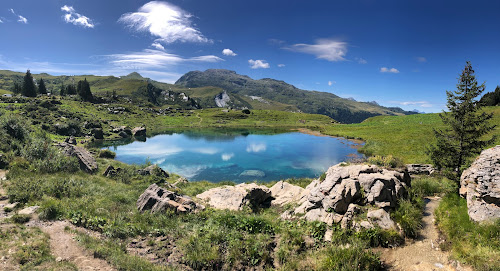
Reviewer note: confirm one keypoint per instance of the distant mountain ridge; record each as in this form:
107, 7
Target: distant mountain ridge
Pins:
316, 102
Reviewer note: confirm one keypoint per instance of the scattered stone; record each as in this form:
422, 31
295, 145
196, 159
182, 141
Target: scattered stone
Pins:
381, 218
153, 170
253, 173
139, 132
59, 259
29, 210
285, 193
11, 206
236, 197
328, 235
158, 199
84, 157
181, 180
337, 198
71, 140
480, 185
111, 171
420, 169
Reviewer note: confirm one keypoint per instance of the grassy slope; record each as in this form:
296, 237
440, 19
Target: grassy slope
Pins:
405, 137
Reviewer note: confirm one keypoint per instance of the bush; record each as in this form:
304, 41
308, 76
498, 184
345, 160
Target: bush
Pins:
15, 126
107, 154
386, 161
20, 219
352, 258
50, 210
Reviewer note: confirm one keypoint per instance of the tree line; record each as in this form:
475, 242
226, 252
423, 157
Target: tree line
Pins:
28, 88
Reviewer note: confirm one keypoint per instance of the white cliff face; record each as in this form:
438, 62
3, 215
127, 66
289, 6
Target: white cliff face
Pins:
222, 99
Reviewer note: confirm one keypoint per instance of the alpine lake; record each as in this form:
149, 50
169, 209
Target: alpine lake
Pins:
237, 155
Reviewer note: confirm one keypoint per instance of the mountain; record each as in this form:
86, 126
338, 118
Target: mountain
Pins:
274, 92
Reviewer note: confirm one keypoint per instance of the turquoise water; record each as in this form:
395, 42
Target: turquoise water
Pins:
239, 158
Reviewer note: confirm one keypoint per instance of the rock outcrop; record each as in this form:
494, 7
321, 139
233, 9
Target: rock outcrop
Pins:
154, 170
345, 188
222, 99
420, 169
285, 193
480, 185
157, 199
237, 197
85, 159
139, 132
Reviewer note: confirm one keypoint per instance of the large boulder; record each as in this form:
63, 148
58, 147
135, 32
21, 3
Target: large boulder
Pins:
139, 132
157, 199
420, 169
336, 199
285, 193
237, 197
85, 159
480, 185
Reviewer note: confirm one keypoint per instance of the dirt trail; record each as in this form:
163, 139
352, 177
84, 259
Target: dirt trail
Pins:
423, 253
65, 248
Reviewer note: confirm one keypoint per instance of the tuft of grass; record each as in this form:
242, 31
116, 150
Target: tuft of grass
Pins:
20, 219
388, 161
431, 186
354, 257
469, 242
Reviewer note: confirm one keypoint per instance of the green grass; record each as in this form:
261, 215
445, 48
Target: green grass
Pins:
471, 243
404, 137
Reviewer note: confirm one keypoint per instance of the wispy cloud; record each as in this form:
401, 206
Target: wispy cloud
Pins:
149, 58
258, 64
387, 70
281, 65
330, 83
256, 147
415, 103
227, 156
75, 18
421, 59
1, 22
158, 46
228, 52
361, 60
328, 49
165, 21
206, 150
20, 18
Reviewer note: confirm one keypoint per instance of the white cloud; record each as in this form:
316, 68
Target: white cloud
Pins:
228, 52
281, 65
158, 46
421, 59
164, 20
258, 64
328, 49
227, 156
391, 70
361, 60
1, 22
330, 83
75, 18
256, 147
207, 150
20, 18
150, 58
415, 103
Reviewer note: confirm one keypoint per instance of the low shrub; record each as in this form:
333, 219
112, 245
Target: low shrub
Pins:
386, 161
354, 257
20, 219
107, 154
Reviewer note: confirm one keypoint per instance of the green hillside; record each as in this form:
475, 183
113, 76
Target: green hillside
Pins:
270, 90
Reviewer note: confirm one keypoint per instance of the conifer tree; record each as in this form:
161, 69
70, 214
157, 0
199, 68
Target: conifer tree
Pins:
41, 87
28, 89
465, 125
62, 90
83, 89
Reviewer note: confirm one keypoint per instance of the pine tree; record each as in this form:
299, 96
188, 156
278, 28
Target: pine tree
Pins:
465, 125
62, 90
41, 87
29, 89
83, 90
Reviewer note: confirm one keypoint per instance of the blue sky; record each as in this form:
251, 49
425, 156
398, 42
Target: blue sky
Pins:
397, 53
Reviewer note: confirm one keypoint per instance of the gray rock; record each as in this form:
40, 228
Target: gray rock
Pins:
139, 132
71, 140
381, 218
153, 170
285, 193
111, 171
29, 210
11, 206
480, 185
222, 99
236, 197
157, 199
336, 199
85, 159
419, 169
